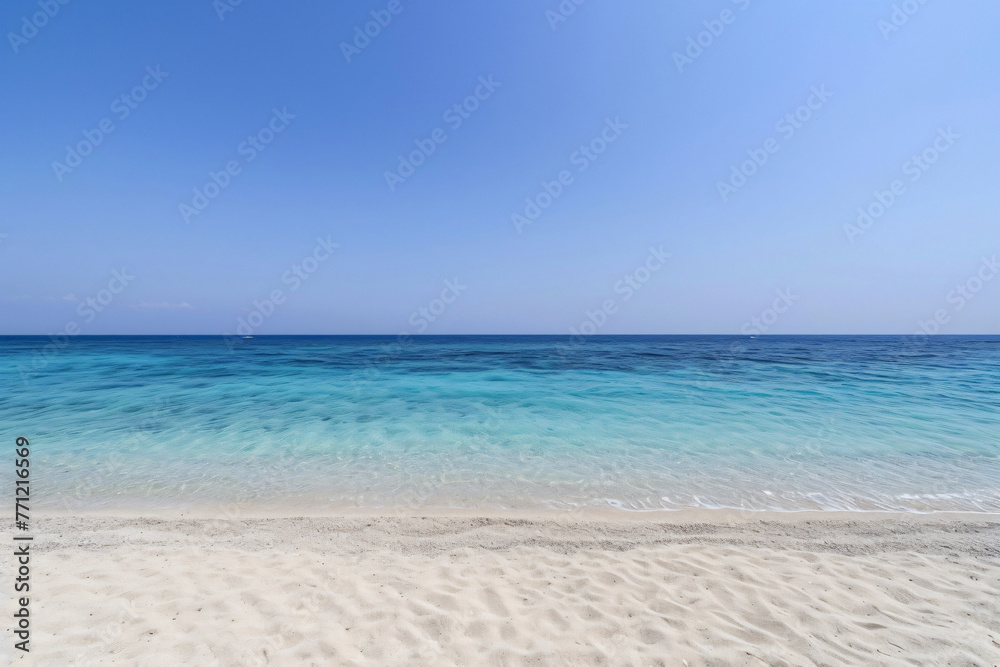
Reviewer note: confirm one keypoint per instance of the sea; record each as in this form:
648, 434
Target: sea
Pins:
633, 423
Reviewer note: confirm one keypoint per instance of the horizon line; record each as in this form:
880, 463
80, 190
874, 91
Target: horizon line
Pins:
498, 335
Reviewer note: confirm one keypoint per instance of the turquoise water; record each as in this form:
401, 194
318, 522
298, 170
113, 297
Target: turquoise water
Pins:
639, 422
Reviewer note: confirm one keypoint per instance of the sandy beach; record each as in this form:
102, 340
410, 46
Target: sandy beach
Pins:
697, 588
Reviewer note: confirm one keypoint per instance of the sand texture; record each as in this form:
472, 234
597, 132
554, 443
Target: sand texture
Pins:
893, 590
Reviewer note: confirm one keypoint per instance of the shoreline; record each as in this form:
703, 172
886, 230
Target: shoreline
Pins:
974, 536
609, 514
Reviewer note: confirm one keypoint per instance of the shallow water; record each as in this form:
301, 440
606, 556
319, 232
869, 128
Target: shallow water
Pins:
637, 422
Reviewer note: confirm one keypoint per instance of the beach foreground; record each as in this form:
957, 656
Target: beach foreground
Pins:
700, 588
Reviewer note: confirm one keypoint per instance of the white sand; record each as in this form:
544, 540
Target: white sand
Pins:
356, 590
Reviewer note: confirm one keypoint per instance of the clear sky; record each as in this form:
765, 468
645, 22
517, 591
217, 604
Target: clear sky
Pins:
311, 120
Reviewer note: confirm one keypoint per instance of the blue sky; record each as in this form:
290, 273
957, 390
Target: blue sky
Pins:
778, 251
